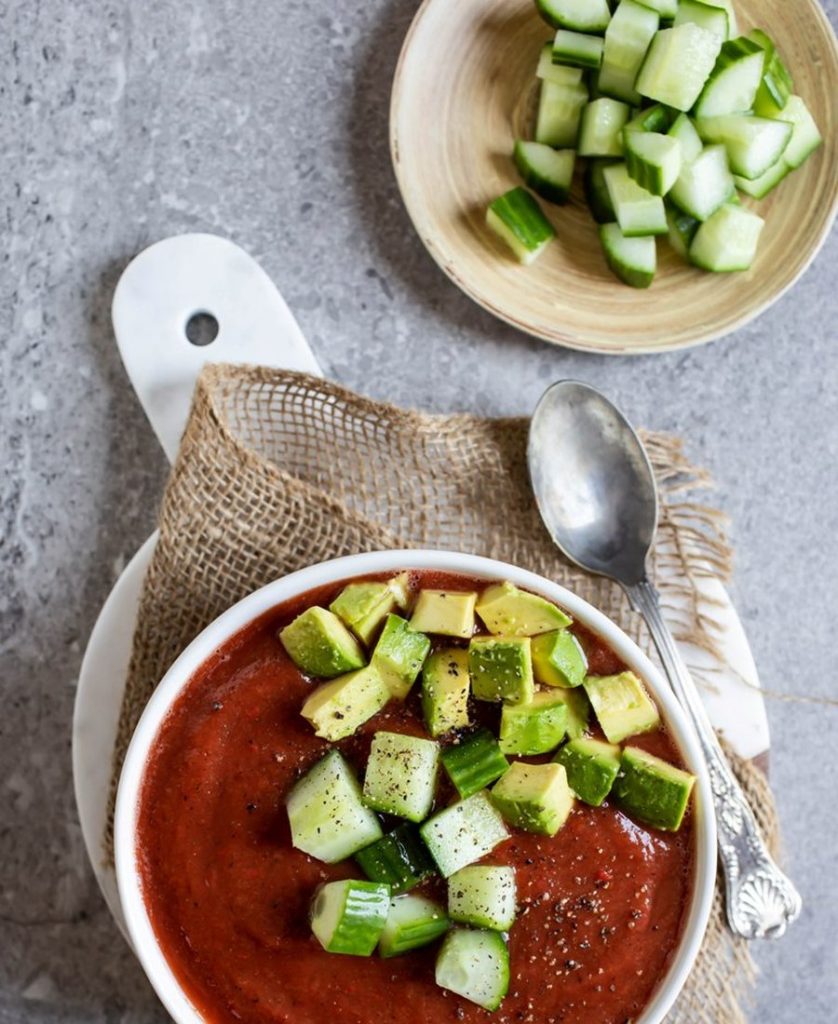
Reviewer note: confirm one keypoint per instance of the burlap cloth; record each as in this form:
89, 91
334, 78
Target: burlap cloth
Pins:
278, 470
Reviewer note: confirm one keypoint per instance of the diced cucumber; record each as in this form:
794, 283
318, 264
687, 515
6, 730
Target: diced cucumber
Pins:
678, 64
728, 240
337, 708
401, 775
516, 219
533, 728
653, 790
475, 965
326, 812
579, 15
667, 9
734, 80
399, 655
776, 86
753, 144
484, 896
558, 659
805, 137
627, 39
633, 260
730, 8
684, 131
474, 762
601, 130
656, 118
412, 922
577, 49
558, 73
682, 229
653, 161
638, 211
445, 690
704, 184
759, 187
591, 767
463, 833
714, 19
547, 171
597, 197
400, 859
349, 916
559, 113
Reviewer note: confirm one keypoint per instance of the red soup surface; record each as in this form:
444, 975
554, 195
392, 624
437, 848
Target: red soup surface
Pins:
601, 904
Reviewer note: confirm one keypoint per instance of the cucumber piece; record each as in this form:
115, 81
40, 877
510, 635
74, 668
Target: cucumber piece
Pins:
501, 668
684, 131
463, 833
558, 659
412, 922
734, 80
534, 728
399, 655
805, 137
704, 184
667, 9
577, 49
474, 964
776, 87
321, 645
633, 260
601, 129
548, 172
591, 767
400, 859
559, 112
653, 161
337, 708
558, 73
484, 896
627, 39
730, 9
445, 690
714, 19
578, 15
598, 200
622, 705
682, 228
656, 118
638, 211
759, 187
534, 797
753, 144
401, 775
326, 812
678, 64
474, 762
652, 790
349, 916
728, 240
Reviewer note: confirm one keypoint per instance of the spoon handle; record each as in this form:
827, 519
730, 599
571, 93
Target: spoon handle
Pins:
761, 900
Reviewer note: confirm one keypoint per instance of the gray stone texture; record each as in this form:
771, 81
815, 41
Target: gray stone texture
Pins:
122, 123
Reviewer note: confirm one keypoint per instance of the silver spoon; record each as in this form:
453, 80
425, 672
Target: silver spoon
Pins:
596, 493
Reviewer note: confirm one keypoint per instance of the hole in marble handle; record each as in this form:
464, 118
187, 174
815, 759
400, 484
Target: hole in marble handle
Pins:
201, 328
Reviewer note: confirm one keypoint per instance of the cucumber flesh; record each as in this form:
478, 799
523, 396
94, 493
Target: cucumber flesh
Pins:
733, 82
704, 184
484, 896
596, 191
633, 260
577, 49
601, 130
753, 144
559, 112
578, 15
653, 161
400, 778
678, 64
714, 19
475, 965
547, 171
684, 131
776, 86
667, 9
682, 229
728, 240
558, 73
412, 922
759, 187
348, 917
516, 218
638, 211
463, 833
627, 39
805, 137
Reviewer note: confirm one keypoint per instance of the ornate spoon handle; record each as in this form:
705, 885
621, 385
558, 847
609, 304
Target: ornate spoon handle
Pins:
761, 900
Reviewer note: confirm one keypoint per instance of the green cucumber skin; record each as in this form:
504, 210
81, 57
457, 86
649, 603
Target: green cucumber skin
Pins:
474, 763
362, 917
551, 12
520, 224
635, 277
400, 859
582, 52
732, 53
596, 191
421, 928
552, 190
682, 229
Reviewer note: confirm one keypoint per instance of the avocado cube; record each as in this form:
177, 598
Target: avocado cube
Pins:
447, 612
501, 668
336, 709
622, 706
652, 790
445, 690
534, 797
558, 659
512, 612
578, 711
591, 767
399, 655
535, 727
401, 775
319, 644
364, 606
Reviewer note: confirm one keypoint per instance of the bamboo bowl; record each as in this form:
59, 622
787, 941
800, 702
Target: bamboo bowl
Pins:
465, 89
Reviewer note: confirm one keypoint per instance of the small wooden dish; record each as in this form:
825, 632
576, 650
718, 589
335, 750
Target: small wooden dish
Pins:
465, 89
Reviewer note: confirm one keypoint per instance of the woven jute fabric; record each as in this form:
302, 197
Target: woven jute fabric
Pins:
277, 471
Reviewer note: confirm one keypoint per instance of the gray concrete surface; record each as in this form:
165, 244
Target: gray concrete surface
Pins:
121, 123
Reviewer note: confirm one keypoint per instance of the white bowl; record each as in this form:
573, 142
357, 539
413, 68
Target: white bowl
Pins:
251, 607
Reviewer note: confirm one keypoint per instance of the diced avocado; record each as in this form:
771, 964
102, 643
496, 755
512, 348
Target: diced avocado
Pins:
578, 711
558, 659
445, 690
501, 668
447, 612
399, 655
534, 797
401, 775
400, 586
319, 643
535, 727
621, 705
591, 767
336, 709
506, 609
652, 790
364, 606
